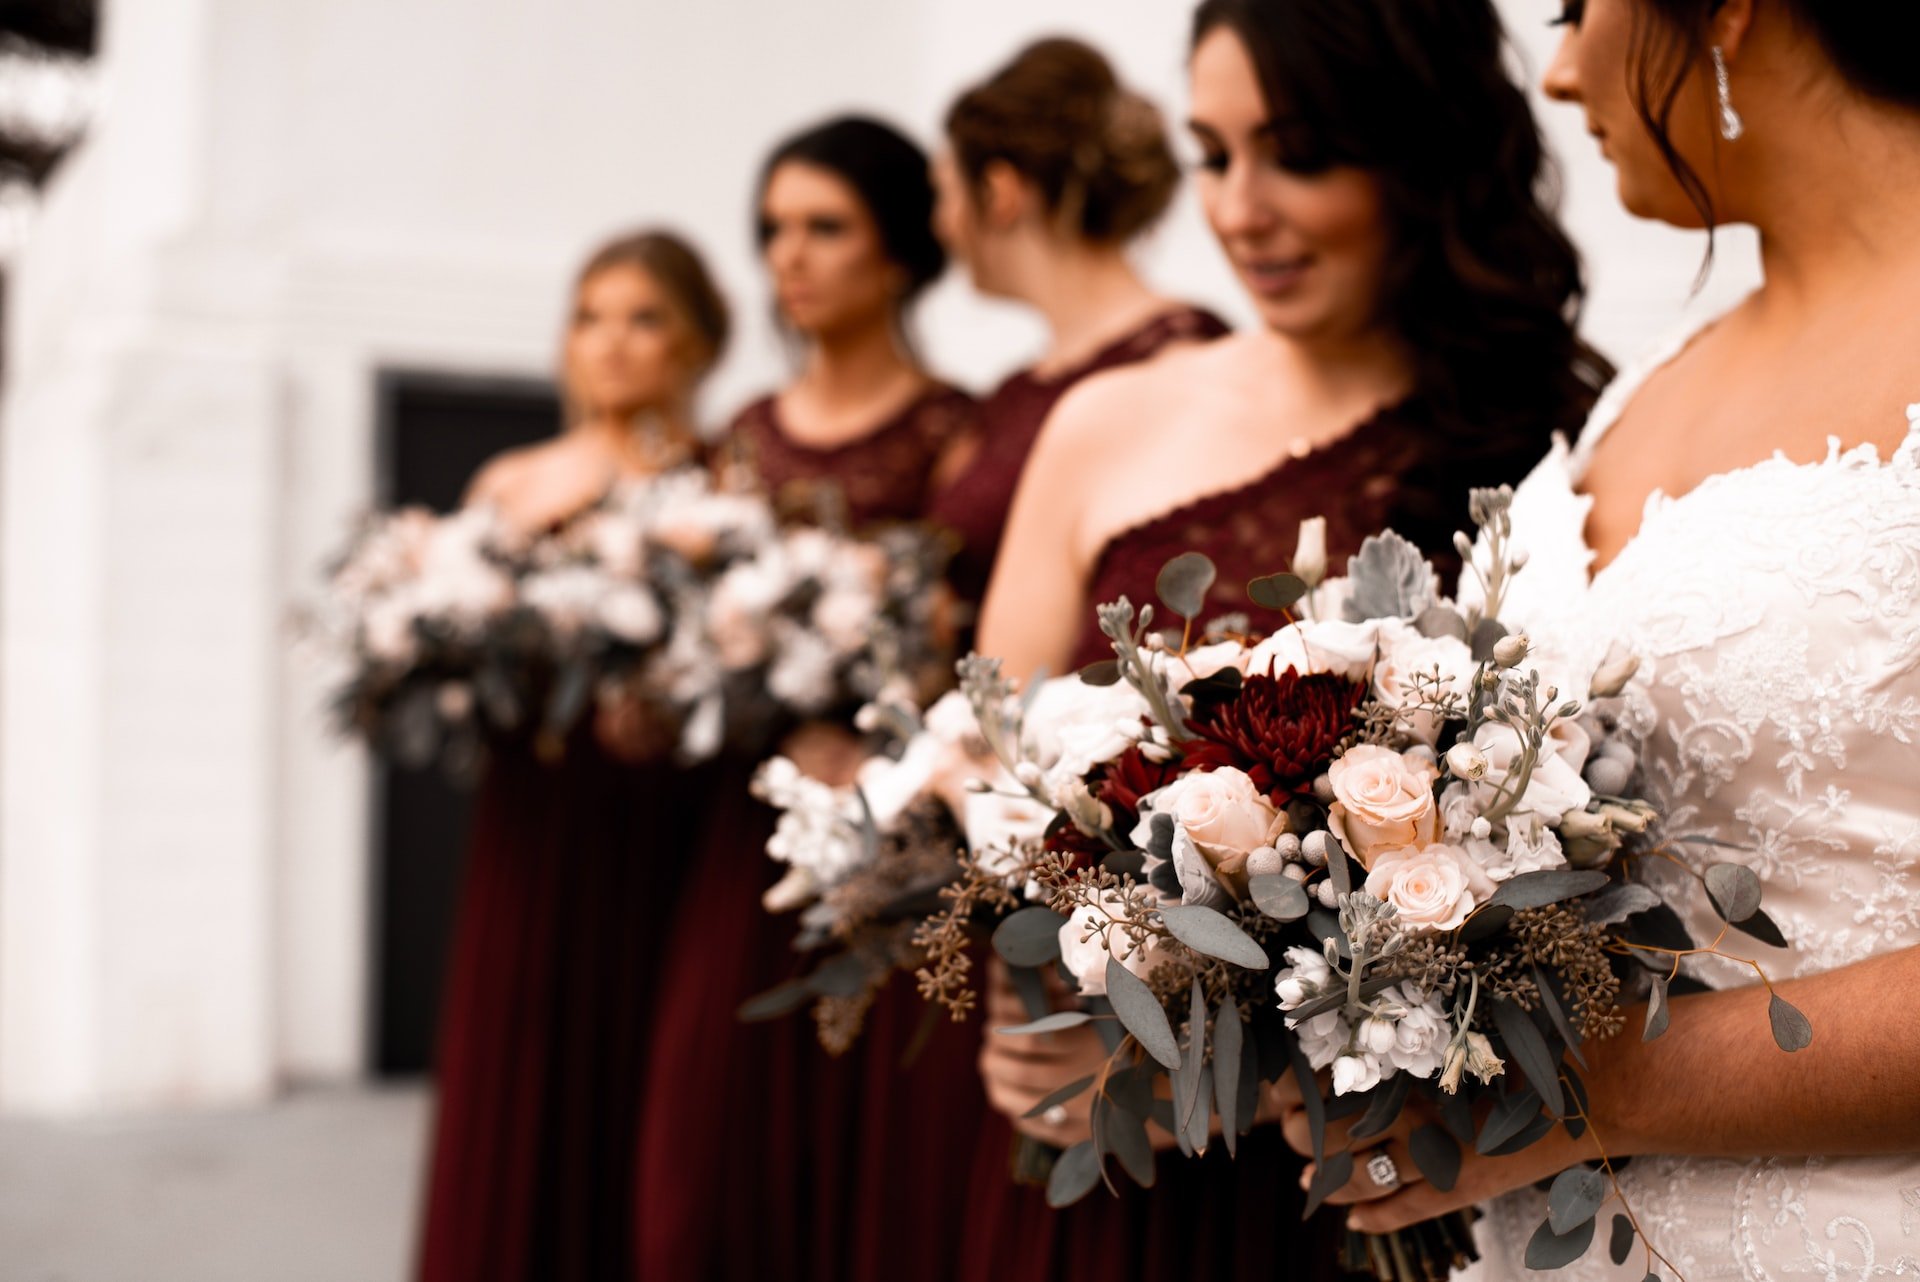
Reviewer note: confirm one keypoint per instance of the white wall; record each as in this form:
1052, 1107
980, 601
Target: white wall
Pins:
282, 197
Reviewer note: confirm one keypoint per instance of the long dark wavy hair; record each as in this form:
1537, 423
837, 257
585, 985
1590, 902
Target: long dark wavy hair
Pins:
1482, 285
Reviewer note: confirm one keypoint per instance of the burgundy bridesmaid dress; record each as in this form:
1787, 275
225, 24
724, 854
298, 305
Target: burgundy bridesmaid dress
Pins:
568, 873
754, 1160
1214, 1217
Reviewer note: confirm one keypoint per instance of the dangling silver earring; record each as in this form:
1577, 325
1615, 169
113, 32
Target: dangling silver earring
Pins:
1731, 126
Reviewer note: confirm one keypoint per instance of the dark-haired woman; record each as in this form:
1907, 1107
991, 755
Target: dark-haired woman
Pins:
1373, 176
540, 1063
747, 1133
1754, 533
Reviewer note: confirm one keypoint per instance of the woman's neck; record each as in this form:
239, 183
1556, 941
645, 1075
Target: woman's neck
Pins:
643, 438
1089, 295
1370, 365
850, 369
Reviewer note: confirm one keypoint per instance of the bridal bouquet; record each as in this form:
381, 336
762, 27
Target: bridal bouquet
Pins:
690, 599
1391, 845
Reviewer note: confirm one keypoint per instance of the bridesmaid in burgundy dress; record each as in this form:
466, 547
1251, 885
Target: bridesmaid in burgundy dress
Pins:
1053, 169
748, 1132
1373, 176
540, 1057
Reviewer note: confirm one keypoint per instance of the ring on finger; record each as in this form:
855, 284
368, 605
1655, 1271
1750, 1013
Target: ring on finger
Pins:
1383, 1171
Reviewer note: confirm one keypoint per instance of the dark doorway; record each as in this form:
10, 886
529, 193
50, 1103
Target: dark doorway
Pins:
435, 431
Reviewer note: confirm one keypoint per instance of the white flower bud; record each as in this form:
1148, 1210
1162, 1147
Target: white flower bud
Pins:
1327, 895
1310, 553
1294, 872
1155, 752
1463, 545
1315, 846
1582, 823
1623, 819
1613, 676
1509, 650
1464, 761
1517, 559
1029, 775
1481, 829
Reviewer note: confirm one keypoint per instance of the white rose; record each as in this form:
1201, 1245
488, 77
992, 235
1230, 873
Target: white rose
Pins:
1072, 726
1382, 798
1404, 675
1202, 662
1317, 645
1086, 958
1554, 787
1433, 887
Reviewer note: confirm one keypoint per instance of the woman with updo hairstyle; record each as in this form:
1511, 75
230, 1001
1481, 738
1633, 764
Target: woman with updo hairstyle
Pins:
1053, 169
549, 981
754, 1161
1377, 182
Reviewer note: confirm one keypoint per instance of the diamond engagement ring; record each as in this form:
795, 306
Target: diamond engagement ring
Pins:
1383, 1171
1055, 1116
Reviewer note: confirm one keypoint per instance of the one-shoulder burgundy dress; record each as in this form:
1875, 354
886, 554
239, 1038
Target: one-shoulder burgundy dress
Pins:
1214, 1217
749, 1138
539, 1064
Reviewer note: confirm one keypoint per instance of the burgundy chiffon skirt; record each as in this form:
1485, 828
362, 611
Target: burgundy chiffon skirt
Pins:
761, 1156
1213, 1217
570, 872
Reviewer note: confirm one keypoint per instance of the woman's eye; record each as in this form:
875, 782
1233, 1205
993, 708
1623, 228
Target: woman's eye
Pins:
1570, 14
1214, 162
826, 227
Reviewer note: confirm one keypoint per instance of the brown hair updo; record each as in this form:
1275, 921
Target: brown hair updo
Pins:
1097, 151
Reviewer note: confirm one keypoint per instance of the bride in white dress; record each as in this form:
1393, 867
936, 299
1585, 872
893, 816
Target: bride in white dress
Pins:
1748, 506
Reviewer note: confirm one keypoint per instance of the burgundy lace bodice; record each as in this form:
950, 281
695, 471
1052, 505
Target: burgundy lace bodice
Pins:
882, 476
1386, 473
976, 503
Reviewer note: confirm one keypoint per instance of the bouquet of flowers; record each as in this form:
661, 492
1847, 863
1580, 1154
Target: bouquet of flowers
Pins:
1392, 844
690, 599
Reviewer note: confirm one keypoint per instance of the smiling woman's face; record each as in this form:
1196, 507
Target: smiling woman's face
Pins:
1593, 70
1308, 240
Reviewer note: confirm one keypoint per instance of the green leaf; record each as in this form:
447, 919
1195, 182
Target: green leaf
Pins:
1183, 583
1074, 1174
1126, 1137
1550, 1250
1029, 937
1277, 592
1538, 889
1229, 1048
1437, 1153
1489, 633
1337, 870
1510, 1116
1310, 1101
1762, 928
775, 1002
1487, 921
1620, 1245
1790, 1028
1050, 1024
1328, 1178
1061, 1096
1658, 1014
1104, 673
1281, 898
1575, 1198
1734, 890
1529, 1049
1618, 902
1338, 997
843, 976
1550, 1002
1198, 1129
1187, 1085
1206, 931
1383, 1107
1441, 621
1142, 1014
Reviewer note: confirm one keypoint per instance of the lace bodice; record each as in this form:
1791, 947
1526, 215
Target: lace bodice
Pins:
1776, 611
881, 476
976, 503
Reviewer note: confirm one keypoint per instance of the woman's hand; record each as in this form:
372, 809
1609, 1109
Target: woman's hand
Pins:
1020, 1071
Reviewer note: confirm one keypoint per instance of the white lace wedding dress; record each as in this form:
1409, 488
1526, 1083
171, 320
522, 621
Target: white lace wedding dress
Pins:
1776, 612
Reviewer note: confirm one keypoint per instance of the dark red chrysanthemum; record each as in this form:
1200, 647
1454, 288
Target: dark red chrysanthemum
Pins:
1280, 730
1126, 779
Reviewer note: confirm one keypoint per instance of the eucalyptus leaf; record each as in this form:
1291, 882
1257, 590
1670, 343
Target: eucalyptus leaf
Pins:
1277, 592
1281, 898
1487, 921
1183, 583
1510, 1116
1486, 635
1074, 1174
1329, 1177
1618, 902
1551, 886
1526, 1137
1187, 1087
1550, 1250
1437, 1153
1338, 997
1104, 673
1030, 986
1209, 932
1199, 1129
1620, 1244
1557, 1013
1529, 1049
775, 1002
1337, 870
1441, 621
1323, 925
1791, 1030
842, 976
1053, 1023
1310, 1102
1061, 1096
1142, 1013
1383, 1107
1762, 928
1456, 1114
1575, 1198
1734, 890
1126, 863
1126, 1137
1229, 1048
1658, 1013
1660, 927
1160, 838
1029, 937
